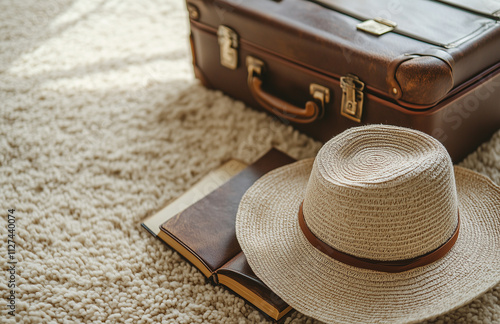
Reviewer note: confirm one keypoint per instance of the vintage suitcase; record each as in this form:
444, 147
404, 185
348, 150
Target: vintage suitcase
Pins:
327, 65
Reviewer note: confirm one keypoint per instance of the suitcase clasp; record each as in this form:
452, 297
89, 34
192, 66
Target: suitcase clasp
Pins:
377, 26
352, 97
228, 44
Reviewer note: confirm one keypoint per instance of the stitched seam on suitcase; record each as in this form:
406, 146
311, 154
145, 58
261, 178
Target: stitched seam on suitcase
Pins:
495, 14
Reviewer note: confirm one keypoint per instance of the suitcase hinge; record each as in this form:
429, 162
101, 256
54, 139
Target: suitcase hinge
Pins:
228, 44
352, 97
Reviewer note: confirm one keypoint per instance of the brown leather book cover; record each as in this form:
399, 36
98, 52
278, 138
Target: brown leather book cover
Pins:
239, 277
204, 233
211, 181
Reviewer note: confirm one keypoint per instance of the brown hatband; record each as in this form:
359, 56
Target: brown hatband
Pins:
377, 265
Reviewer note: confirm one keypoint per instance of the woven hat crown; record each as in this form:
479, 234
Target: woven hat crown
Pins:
382, 193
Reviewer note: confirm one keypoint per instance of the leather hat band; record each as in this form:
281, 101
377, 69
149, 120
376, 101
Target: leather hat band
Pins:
377, 265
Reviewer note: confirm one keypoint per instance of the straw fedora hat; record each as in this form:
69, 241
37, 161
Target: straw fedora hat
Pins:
378, 228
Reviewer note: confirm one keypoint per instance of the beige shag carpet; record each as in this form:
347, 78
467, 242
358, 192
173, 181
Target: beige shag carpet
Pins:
102, 123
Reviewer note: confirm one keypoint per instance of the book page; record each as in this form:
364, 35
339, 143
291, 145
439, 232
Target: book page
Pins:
204, 233
207, 228
239, 277
206, 185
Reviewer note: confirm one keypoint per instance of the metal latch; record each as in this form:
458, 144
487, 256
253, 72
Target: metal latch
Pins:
321, 94
352, 97
377, 26
228, 44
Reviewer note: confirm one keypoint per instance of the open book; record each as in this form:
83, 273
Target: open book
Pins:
204, 233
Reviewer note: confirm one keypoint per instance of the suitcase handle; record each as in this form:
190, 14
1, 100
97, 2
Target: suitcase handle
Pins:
310, 113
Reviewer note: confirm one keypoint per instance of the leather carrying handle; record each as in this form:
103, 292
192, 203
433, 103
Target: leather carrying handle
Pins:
281, 108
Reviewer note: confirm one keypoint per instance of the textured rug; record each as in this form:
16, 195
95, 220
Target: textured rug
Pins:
102, 123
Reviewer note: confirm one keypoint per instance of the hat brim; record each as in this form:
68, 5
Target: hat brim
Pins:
321, 287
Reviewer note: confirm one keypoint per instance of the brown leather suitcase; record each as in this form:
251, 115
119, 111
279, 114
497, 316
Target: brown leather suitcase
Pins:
327, 65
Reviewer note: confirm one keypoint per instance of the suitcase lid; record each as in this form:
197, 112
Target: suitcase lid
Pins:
430, 49
488, 8
441, 23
